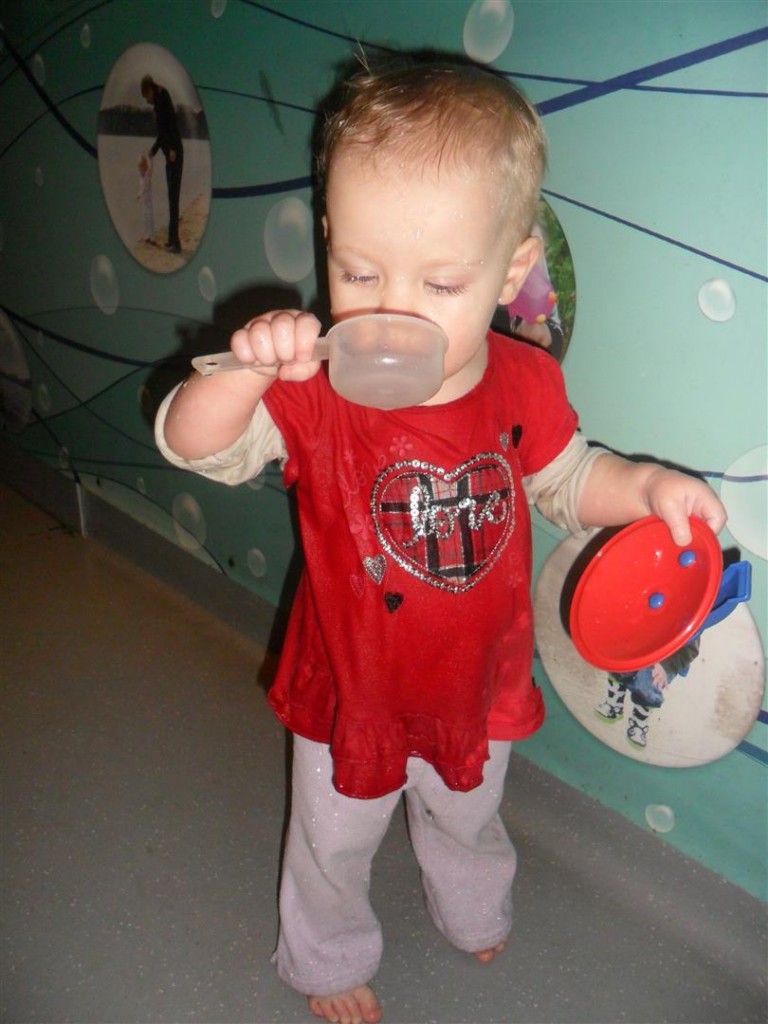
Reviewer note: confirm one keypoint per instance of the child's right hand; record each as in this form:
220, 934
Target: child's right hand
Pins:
281, 342
209, 413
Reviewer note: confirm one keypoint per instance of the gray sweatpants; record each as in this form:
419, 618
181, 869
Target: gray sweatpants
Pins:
330, 939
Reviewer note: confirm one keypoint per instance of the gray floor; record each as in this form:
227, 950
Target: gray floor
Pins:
143, 812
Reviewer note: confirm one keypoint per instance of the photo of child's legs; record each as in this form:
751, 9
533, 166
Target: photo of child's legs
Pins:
330, 940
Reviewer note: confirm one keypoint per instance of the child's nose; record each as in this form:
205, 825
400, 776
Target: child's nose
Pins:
396, 298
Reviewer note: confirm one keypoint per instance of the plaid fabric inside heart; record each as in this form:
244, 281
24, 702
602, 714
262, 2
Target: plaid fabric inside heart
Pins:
447, 527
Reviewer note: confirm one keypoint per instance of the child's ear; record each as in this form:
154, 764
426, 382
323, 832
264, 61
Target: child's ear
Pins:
523, 260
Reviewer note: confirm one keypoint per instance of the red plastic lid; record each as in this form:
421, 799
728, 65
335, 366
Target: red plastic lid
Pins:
642, 597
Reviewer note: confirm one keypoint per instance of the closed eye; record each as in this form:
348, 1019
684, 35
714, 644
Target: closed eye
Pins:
348, 278
446, 289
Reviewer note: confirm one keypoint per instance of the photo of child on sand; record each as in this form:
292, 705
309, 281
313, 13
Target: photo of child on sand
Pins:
694, 706
151, 119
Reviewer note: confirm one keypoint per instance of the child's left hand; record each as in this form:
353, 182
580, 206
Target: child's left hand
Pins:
619, 491
674, 497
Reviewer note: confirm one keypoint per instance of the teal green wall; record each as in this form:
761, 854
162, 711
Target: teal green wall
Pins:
656, 116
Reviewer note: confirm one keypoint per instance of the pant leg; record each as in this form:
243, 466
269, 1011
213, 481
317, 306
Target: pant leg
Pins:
330, 939
467, 860
173, 173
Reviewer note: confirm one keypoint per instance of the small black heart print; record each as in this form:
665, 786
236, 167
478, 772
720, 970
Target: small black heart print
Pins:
393, 601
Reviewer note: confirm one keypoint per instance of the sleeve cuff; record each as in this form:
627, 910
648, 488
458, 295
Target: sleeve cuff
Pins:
244, 459
556, 489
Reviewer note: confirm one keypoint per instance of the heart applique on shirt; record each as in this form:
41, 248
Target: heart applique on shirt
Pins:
446, 527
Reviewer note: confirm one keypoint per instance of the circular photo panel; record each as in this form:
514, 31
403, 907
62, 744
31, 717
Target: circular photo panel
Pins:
544, 310
692, 707
154, 158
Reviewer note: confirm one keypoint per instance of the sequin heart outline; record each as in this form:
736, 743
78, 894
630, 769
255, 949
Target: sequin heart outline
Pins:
486, 462
375, 566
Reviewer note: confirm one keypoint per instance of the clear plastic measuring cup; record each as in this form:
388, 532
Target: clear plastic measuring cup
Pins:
381, 360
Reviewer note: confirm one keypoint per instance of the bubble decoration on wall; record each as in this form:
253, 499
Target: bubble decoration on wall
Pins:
717, 301
39, 177
146, 403
218, 7
38, 69
43, 398
660, 818
257, 563
744, 492
15, 384
206, 282
257, 482
488, 29
159, 202
85, 36
288, 236
105, 289
188, 522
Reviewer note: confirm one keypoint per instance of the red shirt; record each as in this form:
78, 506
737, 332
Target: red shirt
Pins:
411, 632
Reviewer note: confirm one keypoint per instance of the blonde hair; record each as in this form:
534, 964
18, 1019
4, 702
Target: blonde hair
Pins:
435, 111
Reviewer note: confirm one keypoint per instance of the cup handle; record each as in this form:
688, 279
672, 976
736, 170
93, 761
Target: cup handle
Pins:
223, 362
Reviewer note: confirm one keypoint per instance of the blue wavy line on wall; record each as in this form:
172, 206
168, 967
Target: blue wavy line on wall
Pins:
271, 188
657, 234
79, 402
61, 119
662, 67
52, 107
747, 748
591, 90
753, 751
176, 361
81, 14
88, 349
588, 92
21, 322
72, 468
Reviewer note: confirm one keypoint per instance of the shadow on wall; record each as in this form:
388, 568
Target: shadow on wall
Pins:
201, 339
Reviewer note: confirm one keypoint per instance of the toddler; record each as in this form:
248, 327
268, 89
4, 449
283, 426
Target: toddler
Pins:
407, 662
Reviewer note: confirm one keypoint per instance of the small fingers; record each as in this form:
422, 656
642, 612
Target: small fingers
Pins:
716, 518
680, 529
307, 328
285, 336
674, 497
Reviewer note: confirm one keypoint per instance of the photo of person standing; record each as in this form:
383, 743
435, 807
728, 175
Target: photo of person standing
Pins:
169, 141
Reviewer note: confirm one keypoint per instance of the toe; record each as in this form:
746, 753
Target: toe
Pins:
485, 956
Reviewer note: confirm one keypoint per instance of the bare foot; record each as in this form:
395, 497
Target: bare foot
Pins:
360, 1006
486, 955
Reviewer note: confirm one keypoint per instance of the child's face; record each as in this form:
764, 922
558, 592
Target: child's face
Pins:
425, 241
